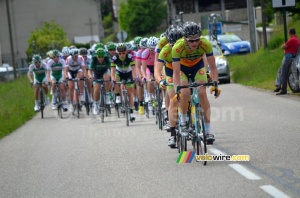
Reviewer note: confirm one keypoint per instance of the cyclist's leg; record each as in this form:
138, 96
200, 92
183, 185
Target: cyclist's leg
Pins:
80, 84
71, 76
106, 77
185, 95
117, 87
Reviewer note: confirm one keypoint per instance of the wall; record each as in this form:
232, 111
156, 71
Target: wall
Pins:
28, 15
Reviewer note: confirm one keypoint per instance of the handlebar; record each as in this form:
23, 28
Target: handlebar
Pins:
195, 85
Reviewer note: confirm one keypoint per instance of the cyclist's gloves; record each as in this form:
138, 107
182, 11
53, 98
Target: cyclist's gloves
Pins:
162, 84
31, 84
215, 89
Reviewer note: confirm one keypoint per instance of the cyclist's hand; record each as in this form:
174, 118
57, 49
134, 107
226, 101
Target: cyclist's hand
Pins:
216, 90
143, 79
31, 84
162, 84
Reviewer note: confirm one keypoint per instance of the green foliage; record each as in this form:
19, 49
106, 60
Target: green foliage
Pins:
50, 36
139, 17
108, 21
16, 104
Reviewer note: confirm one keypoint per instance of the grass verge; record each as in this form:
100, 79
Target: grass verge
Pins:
16, 104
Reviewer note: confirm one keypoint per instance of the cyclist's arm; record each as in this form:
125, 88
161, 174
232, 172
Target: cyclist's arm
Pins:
144, 67
176, 73
30, 77
113, 71
213, 68
157, 70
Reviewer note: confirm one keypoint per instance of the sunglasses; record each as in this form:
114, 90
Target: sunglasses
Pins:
112, 50
121, 53
193, 40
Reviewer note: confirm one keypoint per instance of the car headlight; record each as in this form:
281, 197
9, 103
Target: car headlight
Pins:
229, 46
221, 63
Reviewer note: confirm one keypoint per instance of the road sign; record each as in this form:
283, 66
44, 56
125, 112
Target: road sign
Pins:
283, 3
122, 36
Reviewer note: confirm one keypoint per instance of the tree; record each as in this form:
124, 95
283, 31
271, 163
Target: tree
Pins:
49, 37
139, 17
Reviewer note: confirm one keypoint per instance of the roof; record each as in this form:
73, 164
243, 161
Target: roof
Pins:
86, 39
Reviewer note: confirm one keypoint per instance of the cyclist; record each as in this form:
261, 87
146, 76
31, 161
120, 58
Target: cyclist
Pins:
56, 66
122, 68
75, 68
37, 73
165, 59
87, 60
142, 45
65, 52
148, 58
188, 63
99, 69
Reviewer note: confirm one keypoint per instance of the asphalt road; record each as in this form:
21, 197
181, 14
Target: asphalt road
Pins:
86, 158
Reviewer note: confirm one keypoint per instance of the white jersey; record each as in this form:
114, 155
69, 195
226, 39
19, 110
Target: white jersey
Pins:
75, 65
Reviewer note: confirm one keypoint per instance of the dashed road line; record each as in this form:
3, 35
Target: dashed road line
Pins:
274, 192
245, 172
216, 151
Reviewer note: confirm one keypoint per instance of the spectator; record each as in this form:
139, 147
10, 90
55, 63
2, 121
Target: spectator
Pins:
290, 50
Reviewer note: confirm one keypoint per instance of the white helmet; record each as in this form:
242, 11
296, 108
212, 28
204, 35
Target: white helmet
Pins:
65, 51
152, 42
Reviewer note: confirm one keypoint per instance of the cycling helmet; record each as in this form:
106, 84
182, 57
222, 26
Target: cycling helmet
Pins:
121, 47
162, 35
65, 51
173, 35
111, 46
36, 58
49, 54
169, 28
129, 46
55, 53
143, 43
74, 52
83, 51
137, 40
191, 28
152, 42
99, 45
100, 53
72, 47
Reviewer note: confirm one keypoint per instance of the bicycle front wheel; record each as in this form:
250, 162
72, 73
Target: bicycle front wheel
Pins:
86, 102
42, 102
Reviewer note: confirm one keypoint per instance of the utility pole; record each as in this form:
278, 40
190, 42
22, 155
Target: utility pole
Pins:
252, 28
101, 30
11, 40
264, 28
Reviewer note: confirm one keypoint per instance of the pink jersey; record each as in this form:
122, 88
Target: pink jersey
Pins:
138, 54
148, 56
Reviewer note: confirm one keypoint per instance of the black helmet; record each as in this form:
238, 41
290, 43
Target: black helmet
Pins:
121, 47
174, 34
191, 28
83, 51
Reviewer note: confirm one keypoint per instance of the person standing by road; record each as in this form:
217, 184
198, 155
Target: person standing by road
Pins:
290, 50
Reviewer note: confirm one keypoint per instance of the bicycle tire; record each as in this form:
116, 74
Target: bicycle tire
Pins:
202, 141
42, 101
183, 143
126, 103
117, 108
77, 102
102, 106
178, 142
146, 109
86, 102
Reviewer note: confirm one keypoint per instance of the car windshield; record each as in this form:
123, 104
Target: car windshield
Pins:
216, 51
229, 38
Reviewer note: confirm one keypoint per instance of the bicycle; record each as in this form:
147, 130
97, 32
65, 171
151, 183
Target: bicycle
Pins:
146, 107
198, 133
86, 97
102, 106
42, 103
161, 108
125, 108
76, 105
58, 100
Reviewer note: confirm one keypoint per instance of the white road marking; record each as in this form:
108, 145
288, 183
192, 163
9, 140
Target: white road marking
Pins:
216, 151
245, 172
274, 192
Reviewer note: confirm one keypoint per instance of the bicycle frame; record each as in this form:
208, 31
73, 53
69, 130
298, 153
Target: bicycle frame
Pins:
125, 100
